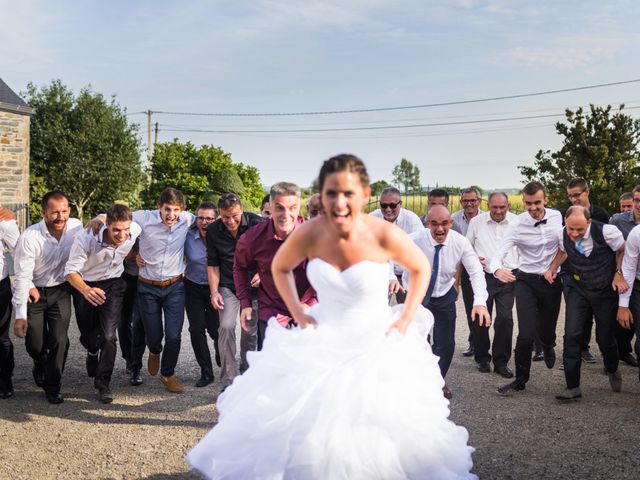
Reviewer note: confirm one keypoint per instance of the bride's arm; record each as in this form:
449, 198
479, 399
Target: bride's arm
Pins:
287, 258
404, 251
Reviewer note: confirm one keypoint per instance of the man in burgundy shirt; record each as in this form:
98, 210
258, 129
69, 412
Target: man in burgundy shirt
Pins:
256, 249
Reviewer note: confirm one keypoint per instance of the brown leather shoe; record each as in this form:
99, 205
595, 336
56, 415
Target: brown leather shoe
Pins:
446, 392
171, 384
153, 363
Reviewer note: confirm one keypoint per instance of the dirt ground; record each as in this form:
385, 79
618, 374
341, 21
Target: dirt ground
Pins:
146, 432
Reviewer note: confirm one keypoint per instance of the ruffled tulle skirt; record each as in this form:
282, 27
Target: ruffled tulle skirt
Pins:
341, 401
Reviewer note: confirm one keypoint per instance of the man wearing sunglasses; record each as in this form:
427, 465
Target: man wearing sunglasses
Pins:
391, 210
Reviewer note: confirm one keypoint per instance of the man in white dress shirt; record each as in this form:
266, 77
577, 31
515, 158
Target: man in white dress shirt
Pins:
160, 282
535, 235
94, 270
445, 249
41, 297
391, 210
9, 234
470, 199
592, 281
485, 233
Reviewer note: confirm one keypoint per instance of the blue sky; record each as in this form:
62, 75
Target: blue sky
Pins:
298, 56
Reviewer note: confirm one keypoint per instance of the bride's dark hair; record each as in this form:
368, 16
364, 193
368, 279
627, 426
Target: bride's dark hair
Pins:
341, 163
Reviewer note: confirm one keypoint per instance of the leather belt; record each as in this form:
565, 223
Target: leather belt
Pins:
163, 283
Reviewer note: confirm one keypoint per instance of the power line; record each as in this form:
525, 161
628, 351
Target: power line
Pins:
405, 107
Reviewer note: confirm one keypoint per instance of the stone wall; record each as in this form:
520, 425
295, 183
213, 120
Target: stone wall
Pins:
14, 160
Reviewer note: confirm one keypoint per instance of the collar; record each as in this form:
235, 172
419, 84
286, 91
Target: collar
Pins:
271, 230
45, 231
433, 240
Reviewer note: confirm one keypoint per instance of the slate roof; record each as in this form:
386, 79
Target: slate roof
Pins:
11, 102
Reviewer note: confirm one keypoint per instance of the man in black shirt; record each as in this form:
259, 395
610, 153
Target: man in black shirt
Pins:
222, 237
578, 193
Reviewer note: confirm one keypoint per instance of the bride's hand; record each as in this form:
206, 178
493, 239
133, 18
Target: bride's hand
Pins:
305, 320
400, 325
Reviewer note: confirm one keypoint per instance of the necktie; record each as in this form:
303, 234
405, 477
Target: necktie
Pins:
580, 247
541, 222
434, 273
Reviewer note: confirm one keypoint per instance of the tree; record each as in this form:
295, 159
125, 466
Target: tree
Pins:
200, 173
84, 146
599, 146
406, 175
378, 187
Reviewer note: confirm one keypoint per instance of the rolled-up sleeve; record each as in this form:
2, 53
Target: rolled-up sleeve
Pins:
507, 243
77, 255
24, 262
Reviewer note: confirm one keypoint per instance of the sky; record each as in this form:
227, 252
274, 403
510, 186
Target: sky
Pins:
290, 56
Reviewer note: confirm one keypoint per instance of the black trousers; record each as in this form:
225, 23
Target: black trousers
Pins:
203, 320
131, 329
634, 306
99, 325
444, 328
6, 347
587, 327
467, 299
537, 305
502, 295
47, 340
624, 338
581, 307
400, 297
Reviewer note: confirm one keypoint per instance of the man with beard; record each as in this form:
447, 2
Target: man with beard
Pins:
41, 297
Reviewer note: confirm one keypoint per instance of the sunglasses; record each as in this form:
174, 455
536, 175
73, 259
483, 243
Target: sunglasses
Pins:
392, 206
205, 219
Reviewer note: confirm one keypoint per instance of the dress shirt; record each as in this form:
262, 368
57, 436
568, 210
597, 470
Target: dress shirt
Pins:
537, 246
95, 260
255, 250
612, 236
485, 235
9, 234
221, 246
630, 266
457, 249
460, 222
408, 222
625, 222
39, 260
161, 247
195, 251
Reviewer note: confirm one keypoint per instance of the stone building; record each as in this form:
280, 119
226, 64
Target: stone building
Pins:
15, 116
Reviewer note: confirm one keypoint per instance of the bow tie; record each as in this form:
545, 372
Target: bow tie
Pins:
541, 222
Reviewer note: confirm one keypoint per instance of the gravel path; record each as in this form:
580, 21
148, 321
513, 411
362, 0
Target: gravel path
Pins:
146, 432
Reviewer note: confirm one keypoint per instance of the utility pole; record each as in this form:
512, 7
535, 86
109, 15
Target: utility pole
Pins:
155, 138
149, 145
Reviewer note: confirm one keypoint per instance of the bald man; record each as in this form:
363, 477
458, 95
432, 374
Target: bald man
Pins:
445, 249
593, 253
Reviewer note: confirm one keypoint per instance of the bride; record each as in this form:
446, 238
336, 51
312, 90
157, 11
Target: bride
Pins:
354, 392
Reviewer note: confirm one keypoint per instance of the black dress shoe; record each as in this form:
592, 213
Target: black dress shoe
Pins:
484, 367
205, 379
504, 371
54, 397
469, 352
136, 378
538, 356
549, 357
38, 374
447, 393
92, 364
570, 395
511, 388
588, 357
629, 359
6, 388
105, 395
127, 368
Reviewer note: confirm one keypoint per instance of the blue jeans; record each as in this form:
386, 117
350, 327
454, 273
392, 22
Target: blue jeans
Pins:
153, 302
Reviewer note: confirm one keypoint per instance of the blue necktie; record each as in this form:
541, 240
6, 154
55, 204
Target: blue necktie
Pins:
580, 247
434, 273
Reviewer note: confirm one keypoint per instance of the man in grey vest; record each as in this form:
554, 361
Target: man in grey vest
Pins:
593, 281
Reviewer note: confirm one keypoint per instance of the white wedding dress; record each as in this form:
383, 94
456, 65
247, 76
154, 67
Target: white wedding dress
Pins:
340, 401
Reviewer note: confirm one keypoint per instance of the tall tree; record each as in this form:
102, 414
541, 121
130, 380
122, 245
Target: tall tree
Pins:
600, 146
84, 146
406, 175
200, 173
